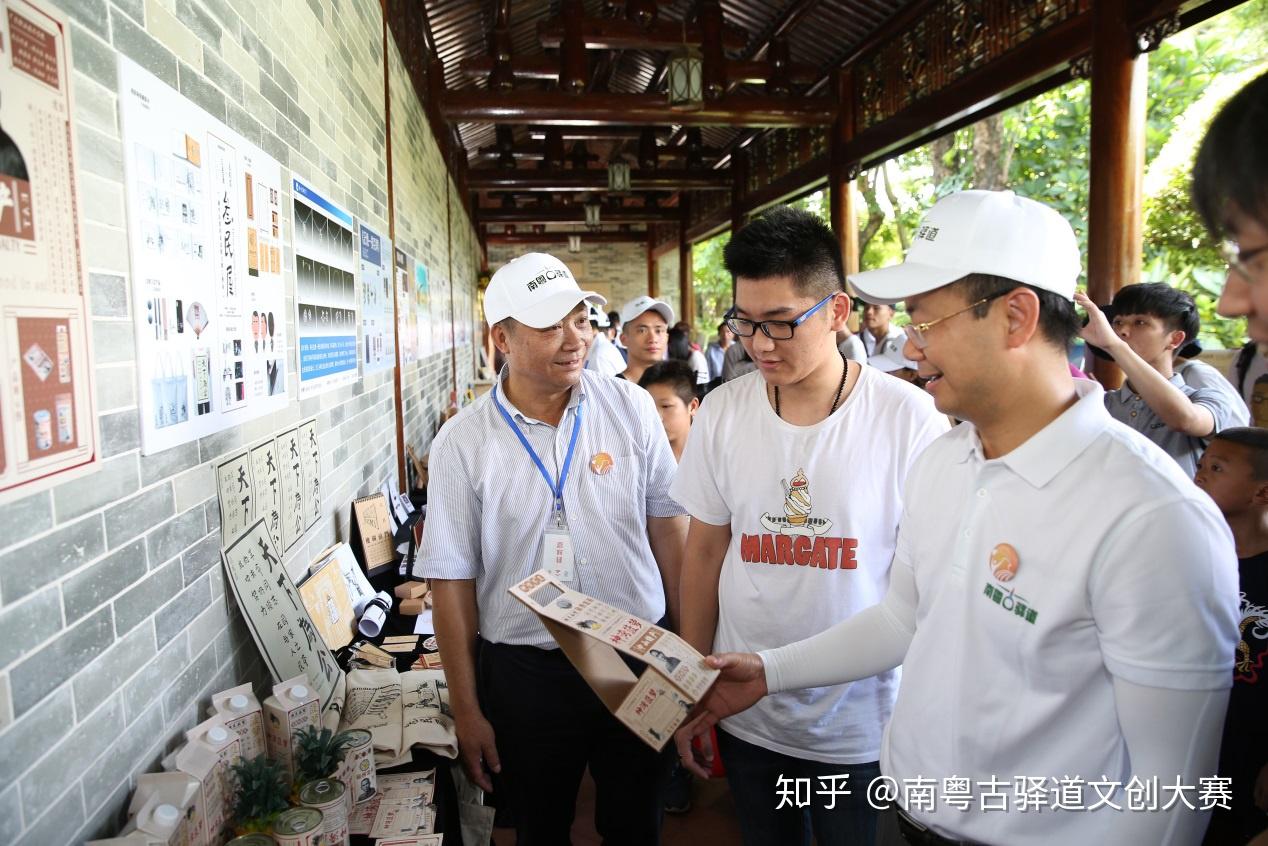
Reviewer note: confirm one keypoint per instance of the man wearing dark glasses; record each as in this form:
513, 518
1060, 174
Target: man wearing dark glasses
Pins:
1062, 599
793, 478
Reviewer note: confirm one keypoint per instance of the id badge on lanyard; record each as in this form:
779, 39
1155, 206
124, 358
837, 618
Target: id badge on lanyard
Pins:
556, 548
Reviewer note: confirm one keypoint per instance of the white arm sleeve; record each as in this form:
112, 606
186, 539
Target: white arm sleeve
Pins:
1169, 733
872, 641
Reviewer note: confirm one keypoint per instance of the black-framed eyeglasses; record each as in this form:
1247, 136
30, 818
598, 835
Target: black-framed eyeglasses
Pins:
1239, 260
776, 330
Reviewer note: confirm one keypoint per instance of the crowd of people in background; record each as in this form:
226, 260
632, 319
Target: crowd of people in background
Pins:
1072, 579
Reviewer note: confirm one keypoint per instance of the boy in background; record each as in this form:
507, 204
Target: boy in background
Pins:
1141, 331
1234, 471
672, 386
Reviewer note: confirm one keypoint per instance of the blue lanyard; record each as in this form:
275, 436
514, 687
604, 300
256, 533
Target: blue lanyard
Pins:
556, 488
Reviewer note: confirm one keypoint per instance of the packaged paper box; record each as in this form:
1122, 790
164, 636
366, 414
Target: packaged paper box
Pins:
590, 632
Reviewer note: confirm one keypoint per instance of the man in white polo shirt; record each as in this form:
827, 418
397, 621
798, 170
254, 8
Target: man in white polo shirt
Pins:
645, 326
1056, 645
879, 334
604, 358
555, 460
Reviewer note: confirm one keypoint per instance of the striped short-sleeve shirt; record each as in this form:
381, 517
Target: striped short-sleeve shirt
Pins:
488, 505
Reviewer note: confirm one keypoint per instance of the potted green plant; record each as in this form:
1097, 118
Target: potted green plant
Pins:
319, 753
260, 793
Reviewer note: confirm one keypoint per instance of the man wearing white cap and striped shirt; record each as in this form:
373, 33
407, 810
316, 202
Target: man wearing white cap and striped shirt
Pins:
556, 468
1062, 598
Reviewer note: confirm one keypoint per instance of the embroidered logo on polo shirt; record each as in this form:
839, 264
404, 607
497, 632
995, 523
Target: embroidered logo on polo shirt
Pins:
798, 537
1004, 562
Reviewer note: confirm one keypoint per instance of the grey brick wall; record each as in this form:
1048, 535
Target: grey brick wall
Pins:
115, 625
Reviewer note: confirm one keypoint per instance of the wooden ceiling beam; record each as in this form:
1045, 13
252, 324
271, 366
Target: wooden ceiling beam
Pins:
576, 214
533, 151
563, 109
522, 67
596, 180
562, 237
621, 34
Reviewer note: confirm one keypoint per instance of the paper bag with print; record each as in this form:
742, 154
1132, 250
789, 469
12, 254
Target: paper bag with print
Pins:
427, 719
373, 703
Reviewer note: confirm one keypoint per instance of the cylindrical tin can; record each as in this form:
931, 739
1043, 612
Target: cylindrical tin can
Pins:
65, 422
298, 827
327, 796
358, 767
43, 429
252, 840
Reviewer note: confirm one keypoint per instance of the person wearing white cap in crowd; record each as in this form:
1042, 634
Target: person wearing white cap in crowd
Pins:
562, 469
645, 326
893, 363
604, 358
1059, 651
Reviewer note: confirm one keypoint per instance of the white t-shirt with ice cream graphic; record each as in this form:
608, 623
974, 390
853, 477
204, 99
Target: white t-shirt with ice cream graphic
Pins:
814, 513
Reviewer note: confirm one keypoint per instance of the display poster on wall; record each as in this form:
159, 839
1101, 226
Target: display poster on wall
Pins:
377, 350
441, 304
406, 316
278, 481
205, 237
48, 416
462, 316
422, 306
325, 291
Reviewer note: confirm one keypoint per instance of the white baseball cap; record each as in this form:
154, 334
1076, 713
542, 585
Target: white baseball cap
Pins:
536, 289
638, 305
891, 360
599, 316
993, 232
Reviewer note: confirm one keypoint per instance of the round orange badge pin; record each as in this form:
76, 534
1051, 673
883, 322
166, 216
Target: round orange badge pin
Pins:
600, 463
1004, 562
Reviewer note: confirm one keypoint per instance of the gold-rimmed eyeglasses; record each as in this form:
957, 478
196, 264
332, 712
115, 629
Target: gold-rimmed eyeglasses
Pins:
916, 331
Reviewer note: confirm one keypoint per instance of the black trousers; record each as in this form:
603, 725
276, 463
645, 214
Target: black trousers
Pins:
549, 726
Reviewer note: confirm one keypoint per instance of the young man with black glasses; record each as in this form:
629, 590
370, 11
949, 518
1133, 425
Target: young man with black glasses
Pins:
793, 476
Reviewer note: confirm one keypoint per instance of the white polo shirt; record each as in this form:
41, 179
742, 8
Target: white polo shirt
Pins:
487, 504
1124, 568
894, 341
604, 358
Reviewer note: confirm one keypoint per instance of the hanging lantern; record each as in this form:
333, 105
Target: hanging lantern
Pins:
592, 215
686, 88
618, 177
574, 243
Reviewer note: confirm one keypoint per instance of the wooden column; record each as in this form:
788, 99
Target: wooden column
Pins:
653, 284
739, 181
840, 183
391, 234
1116, 155
686, 296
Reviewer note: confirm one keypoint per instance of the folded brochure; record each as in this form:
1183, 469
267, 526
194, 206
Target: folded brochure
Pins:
591, 632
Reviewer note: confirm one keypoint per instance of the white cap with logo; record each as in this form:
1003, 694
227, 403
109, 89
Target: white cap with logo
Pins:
638, 305
993, 232
536, 289
599, 316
